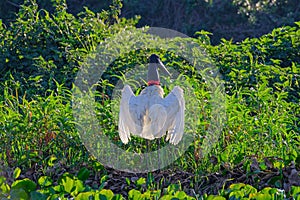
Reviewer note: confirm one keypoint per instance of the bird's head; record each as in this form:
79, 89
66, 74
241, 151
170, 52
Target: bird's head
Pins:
154, 64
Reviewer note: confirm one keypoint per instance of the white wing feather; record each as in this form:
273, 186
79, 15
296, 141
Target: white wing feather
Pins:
125, 120
175, 106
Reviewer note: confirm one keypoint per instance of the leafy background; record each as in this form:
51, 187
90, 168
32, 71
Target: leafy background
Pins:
230, 19
43, 45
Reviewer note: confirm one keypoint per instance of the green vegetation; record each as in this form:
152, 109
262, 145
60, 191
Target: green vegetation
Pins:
237, 19
40, 54
70, 186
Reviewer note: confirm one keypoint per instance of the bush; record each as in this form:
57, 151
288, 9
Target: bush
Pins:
41, 47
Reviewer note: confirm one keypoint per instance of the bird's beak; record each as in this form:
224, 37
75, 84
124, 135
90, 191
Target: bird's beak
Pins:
163, 68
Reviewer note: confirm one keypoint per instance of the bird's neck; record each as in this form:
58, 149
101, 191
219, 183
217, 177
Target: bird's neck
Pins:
153, 82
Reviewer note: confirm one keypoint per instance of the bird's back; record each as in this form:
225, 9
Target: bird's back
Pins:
148, 111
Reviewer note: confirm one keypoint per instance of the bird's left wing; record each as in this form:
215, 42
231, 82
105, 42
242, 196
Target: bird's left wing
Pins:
175, 106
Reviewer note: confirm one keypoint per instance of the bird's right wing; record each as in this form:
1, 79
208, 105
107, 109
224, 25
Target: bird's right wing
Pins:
126, 124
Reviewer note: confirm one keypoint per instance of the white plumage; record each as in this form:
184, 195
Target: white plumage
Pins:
150, 115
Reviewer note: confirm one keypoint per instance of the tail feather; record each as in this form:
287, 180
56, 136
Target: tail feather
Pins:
158, 117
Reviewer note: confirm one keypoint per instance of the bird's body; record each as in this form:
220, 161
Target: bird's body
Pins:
150, 115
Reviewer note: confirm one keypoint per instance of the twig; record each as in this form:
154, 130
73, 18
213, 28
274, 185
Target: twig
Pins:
14, 4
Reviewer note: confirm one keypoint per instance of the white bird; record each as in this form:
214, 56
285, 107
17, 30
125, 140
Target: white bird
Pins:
150, 115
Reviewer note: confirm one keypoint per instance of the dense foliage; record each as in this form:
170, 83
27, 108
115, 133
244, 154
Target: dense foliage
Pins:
237, 19
40, 54
40, 46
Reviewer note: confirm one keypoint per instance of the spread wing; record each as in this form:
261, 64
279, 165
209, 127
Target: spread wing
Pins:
126, 123
175, 106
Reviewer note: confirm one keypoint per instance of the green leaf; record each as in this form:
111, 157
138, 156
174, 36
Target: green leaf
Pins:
249, 189
213, 197
180, 195
150, 179
134, 194
44, 181
17, 173
103, 179
173, 188
237, 194
259, 196
85, 195
4, 188
34, 195
2, 180
79, 187
127, 181
68, 184
295, 191
106, 194
26, 184
117, 197
166, 197
146, 195
263, 166
19, 193
269, 190
83, 174
51, 161
236, 186
141, 181
276, 181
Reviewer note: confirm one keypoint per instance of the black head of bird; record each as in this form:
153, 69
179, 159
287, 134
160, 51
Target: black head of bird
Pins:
154, 64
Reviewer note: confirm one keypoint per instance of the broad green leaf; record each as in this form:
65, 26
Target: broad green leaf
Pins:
237, 194
83, 174
26, 184
85, 195
180, 195
37, 196
269, 190
236, 186
134, 194
79, 187
68, 184
19, 193
106, 194
166, 197
213, 197
259, 196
